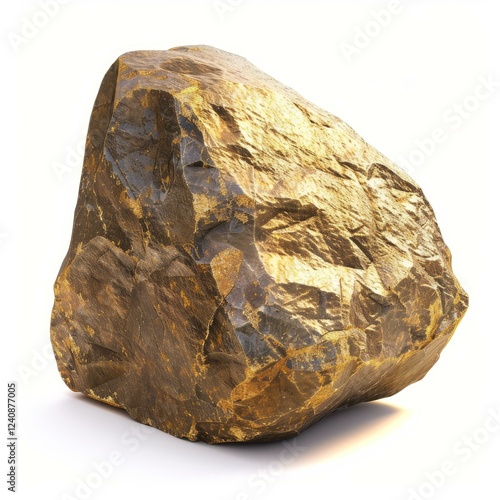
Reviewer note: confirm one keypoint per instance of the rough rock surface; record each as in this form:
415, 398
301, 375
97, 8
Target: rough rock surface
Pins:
242, 262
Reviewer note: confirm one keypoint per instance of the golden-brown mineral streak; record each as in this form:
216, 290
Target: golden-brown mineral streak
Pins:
242, 262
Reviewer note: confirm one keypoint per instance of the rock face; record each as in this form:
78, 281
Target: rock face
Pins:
242, 262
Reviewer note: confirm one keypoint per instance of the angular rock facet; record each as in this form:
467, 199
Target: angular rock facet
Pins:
242, 262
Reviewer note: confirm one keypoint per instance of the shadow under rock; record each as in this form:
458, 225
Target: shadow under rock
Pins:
93, 403
336, 434
340, 432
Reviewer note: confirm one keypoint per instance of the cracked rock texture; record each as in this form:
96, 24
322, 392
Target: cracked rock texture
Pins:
242, 263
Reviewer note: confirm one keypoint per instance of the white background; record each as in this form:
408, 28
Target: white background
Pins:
395, 91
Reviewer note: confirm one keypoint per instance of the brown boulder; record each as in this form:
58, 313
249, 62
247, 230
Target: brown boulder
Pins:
242, 262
